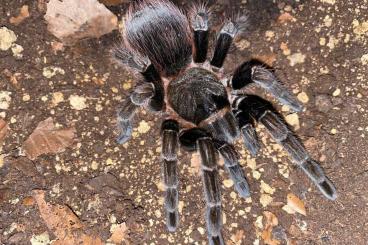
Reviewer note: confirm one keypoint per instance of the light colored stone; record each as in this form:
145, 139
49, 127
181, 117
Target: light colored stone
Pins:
7, 38
77, 102
143, 127
5, 100
265, 200
293, 120
336, 93
296, 58
303, 97
51, 71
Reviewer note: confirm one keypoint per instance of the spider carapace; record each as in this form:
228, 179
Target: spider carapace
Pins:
200, 107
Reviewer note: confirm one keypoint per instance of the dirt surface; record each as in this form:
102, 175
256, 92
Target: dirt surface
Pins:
319, 50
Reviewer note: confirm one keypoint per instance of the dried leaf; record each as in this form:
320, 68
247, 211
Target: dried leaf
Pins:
71, 20
285, 17
47, 139
3, 130
63, 223
294, 204
238, 237
119, 234
24, 13
271, 221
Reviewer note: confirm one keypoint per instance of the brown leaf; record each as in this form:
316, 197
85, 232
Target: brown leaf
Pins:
238, 237
296, 204
71, 20
3, 130
285, 17
119, 234
24, 13
271, 221
47, 139
63, 223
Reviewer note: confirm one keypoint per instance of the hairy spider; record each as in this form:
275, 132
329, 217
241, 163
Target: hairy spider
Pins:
200, 106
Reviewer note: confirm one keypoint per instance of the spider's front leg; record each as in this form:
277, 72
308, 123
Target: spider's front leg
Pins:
170, 129
139, 97
199, 18
255, 72
263, 112
230, 29
149, 93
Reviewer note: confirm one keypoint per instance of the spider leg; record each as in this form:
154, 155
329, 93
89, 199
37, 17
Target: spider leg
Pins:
212, 191
264, 113
248, 131
199, 18
254, 71
169, 134
140, 96
225, 38
232, 165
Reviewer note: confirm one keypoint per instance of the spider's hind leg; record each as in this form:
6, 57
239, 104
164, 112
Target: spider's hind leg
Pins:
198, 139
248, 131
263, 112
169, 134
235, 170
255, 72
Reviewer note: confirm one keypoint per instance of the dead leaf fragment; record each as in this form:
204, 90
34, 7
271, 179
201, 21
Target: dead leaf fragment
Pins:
294, 204
3, 130
71, 20
62, 221
46, 138
271, 221
23, 14
284, 18
119, 233
238, 237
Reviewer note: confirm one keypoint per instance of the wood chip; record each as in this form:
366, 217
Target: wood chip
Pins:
294, 205
119, 234
271, 221
62, 221
24, 13
46, 138
284, 18
3, 130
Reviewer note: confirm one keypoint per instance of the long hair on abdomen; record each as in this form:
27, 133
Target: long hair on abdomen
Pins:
160, 31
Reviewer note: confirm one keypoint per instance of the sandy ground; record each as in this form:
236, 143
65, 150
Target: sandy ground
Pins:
319, 50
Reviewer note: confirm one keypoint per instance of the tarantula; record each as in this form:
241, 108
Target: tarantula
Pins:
201, 107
